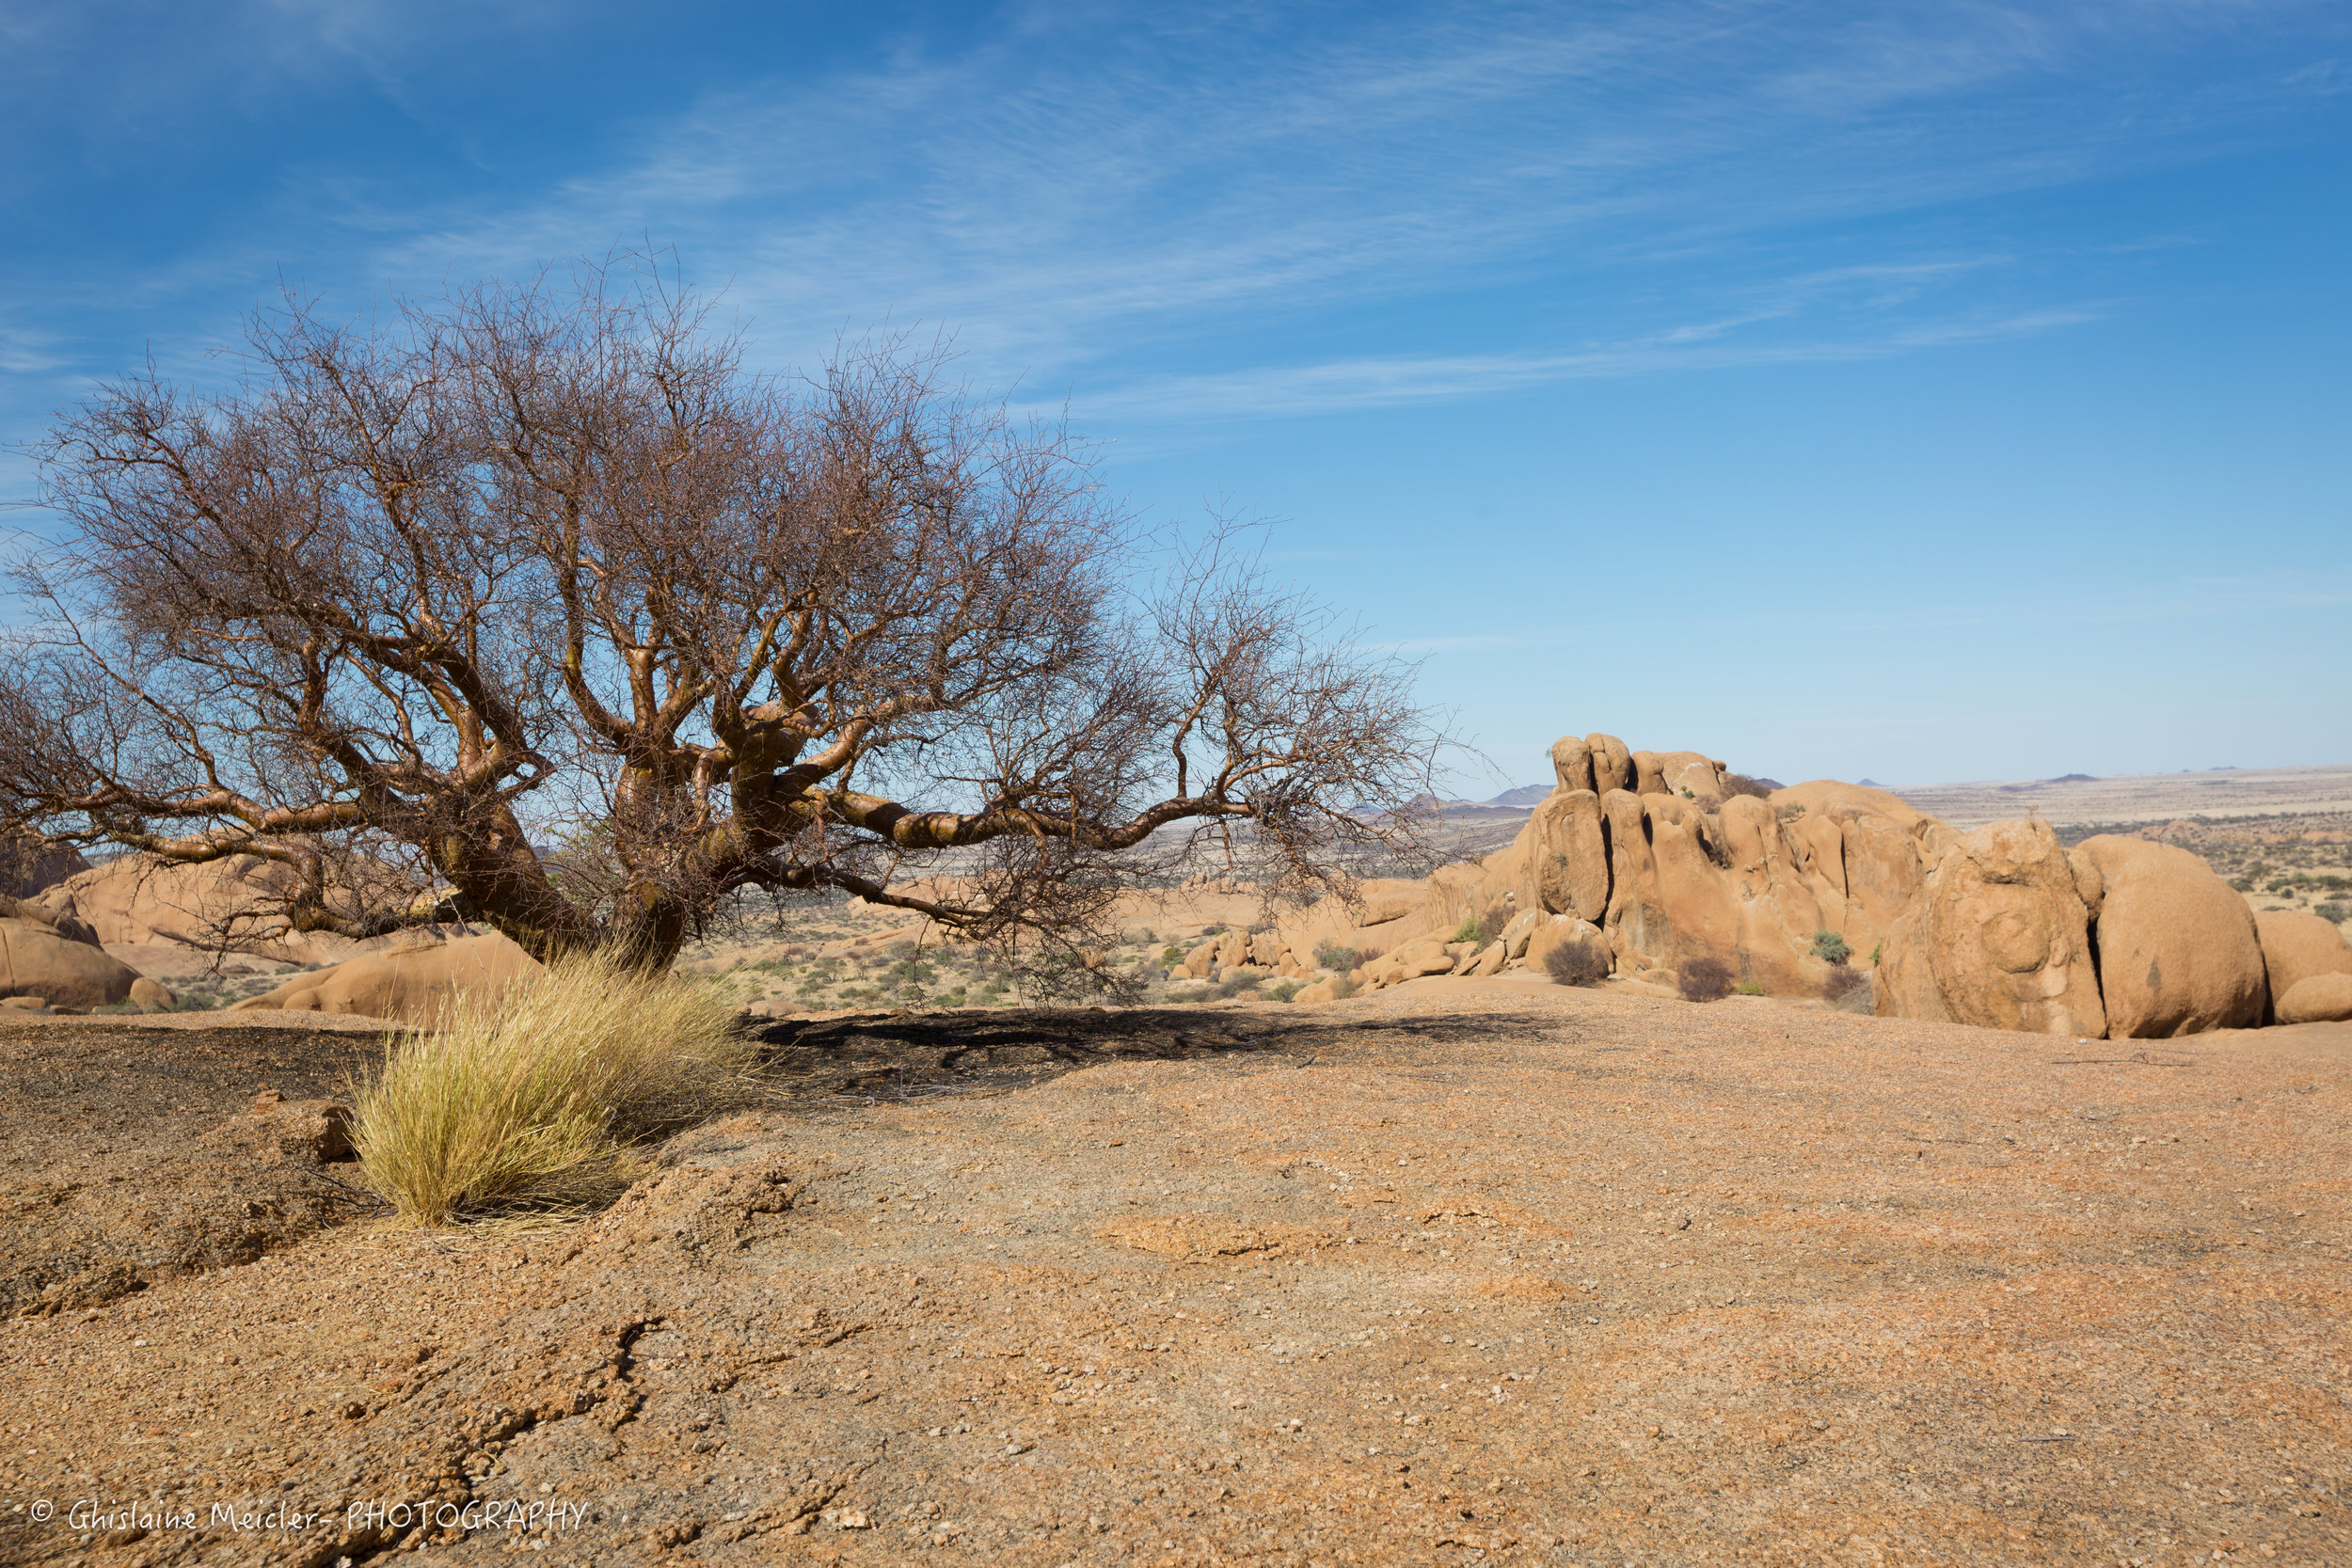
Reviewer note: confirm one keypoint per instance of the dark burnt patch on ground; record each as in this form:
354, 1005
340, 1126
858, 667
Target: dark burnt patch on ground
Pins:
821, 1062
131, 1153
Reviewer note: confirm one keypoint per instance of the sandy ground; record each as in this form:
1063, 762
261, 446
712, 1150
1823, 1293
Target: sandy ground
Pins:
1462, 1272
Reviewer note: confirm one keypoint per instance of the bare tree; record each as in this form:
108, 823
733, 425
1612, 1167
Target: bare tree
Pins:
534, 603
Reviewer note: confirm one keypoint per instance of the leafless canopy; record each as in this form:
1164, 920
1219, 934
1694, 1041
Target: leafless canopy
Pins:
536, 595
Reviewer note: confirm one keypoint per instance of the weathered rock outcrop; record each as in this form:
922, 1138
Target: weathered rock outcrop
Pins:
2318, 999
64, 925
37, 960
28, 866
1998, 936
1567, 857
411, 983
2178, 949
2297, 947
2000, 927
1646, 846
235, 905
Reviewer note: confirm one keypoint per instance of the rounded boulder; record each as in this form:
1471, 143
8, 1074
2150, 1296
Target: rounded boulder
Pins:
2178, 949
413, 983
2320, 999
1998, 937
37, 960
2297, 946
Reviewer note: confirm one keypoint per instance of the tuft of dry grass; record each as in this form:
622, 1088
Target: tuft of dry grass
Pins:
537, 1098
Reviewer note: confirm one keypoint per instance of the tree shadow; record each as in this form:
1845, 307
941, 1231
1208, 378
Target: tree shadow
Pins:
918, 1056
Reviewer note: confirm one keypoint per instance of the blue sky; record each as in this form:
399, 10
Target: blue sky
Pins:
1924, 392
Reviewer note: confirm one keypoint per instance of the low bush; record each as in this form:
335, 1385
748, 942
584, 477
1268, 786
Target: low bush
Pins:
1748, 988
1336, 955
1841, 979
1580, 962
1848, 990
2333, 910
1706, 980
1739, 783
538, 1099
1234, 981
1283, 991
1829, 945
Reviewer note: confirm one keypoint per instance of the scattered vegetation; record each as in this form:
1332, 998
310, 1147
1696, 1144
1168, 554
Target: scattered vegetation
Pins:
1337, 956
1706, 980
1750, 987
1841, 979
1583, 961
538, 1099
1829, 945
1739, 783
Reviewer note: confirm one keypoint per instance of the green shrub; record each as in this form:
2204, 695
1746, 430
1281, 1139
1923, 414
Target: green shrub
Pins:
1283, 991
2334, 910
1829, 945
1748, 988
1336, 955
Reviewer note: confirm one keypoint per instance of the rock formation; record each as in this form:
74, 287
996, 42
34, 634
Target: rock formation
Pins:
2297, 948
2318, 999
412, 982
2000, 927
1645, 847
230, 905
28, 866
2178, 948
1998, 936
45, 967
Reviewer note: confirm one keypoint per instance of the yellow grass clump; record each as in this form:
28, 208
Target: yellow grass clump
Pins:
537, 1098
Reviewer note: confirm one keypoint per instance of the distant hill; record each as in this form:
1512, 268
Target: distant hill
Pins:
2080, 800
1526, 795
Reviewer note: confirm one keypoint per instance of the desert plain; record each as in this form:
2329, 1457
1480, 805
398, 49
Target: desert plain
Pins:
1467, 1270
1475, 1270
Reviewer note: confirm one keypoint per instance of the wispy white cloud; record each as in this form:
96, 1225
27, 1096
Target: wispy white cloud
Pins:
1116, 209
1378, 382
1211, 210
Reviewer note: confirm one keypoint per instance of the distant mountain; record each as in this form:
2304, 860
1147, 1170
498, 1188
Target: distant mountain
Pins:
1526, 795
1869, 784
1420, 804
2073, 778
